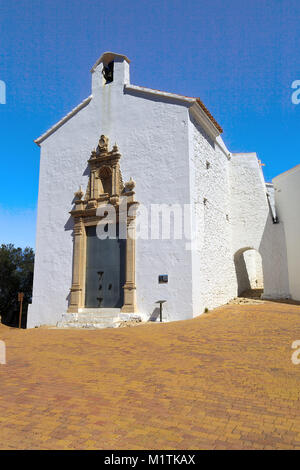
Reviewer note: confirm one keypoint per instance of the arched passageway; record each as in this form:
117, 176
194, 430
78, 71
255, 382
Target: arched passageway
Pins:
249, 271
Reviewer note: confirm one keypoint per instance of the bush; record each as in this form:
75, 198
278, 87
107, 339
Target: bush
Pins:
16, 275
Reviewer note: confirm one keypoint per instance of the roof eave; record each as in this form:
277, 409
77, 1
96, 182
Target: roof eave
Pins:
200, 115
202, 106
198, 109
150, 91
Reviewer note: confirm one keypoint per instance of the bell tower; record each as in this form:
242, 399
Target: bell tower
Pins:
111, 69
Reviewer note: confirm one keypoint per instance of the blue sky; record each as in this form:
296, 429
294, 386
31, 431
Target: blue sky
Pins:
239, 57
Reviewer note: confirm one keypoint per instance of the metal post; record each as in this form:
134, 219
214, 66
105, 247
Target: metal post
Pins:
160, 302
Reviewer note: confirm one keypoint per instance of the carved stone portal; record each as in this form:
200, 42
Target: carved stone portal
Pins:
105, 186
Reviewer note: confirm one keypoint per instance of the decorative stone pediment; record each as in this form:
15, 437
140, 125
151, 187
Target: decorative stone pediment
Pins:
105, 179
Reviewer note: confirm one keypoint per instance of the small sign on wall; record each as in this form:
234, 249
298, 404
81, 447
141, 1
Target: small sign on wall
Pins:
163, 279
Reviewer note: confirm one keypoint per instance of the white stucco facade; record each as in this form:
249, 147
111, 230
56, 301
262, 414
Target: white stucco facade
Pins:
287, 202
171, 147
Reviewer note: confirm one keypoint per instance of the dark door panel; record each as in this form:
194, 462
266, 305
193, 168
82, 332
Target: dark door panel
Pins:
105, 271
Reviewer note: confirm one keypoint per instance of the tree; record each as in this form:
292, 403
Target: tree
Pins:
16, 275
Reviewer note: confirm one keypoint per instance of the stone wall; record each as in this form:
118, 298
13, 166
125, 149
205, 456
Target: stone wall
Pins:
252, 224
213, 269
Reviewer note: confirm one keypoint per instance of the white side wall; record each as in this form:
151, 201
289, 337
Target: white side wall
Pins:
152, 136
252, 225
213, 269
287, 201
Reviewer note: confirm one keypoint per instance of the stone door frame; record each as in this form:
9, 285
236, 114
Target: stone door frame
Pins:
103, 161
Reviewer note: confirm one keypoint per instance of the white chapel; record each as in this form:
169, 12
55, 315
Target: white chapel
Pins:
200, 223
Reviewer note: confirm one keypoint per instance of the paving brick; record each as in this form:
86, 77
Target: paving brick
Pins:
224, 380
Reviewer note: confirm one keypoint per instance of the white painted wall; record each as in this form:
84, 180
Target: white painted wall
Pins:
213, 271
166, 152
249, 206
152, 136
287, 201
252, 225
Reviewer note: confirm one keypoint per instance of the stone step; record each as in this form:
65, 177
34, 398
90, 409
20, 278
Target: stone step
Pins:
91, 316
90, 326
102, 311
99, 318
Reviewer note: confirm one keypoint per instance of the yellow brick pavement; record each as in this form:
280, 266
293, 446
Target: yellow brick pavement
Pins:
224, 380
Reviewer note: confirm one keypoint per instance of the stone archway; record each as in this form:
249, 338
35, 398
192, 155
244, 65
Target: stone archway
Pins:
249, 270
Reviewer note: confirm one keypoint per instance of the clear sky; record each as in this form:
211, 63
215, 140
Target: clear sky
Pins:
239, 56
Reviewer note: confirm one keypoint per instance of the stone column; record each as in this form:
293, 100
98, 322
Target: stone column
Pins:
130, 287
93, 184
76, 289
113, 180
